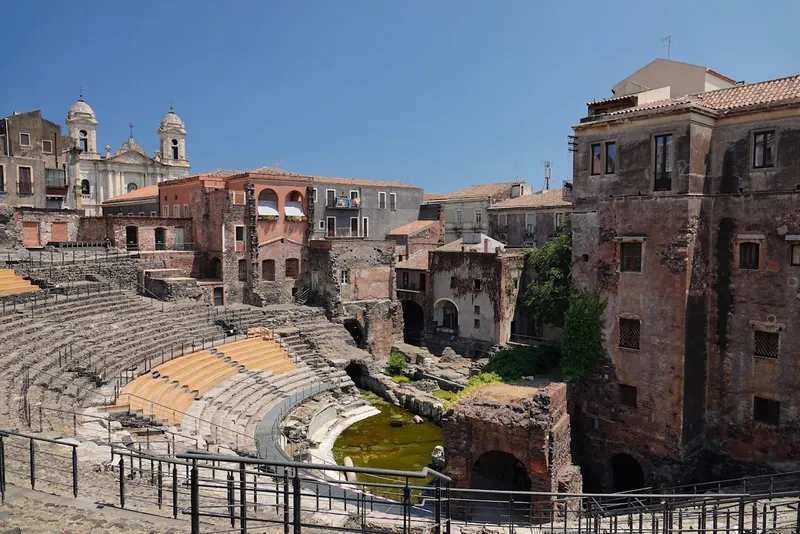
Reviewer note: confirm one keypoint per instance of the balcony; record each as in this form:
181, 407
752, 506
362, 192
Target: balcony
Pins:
341, 233
414, 288
343, 203
55, 181
566, 191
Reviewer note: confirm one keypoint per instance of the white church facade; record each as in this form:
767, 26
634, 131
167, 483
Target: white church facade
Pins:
99, 177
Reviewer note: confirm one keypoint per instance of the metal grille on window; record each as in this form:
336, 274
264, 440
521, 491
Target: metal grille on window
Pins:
629, 333
766, 344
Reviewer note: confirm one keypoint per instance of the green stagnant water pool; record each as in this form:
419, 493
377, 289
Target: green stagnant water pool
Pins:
388, 440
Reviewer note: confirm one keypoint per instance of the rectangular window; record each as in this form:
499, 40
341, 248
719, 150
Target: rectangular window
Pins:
631, 257
141, 214
381, 201
459, 218
766, 344
393, 201
24, 181
47, 146
478, 217
597, 159
560, 219
477, 310
186, 211
477, 284
353, 226
322, 225
452, 282
292, 268
530, 223
330, 197
353, 194
766, 411
153, 213
748, 256
268, 270
176, 211
611, 158
795, 248
422, 281
2, 178
240, 234
476, 323
165, 211
405, 280
629, 330
627, 395
345, 277
502, 220
365, 227
313, 198
24, 139
663, 163
3, 144
763, 150
242, 270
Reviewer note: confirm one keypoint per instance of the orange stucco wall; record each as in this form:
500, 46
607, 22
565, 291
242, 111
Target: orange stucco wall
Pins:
271, 230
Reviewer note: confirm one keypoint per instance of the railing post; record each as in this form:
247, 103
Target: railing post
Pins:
75, 472
175, 491
406, 507
296, 501
438, 509
231, 500
195, 499
242, 499
160, 482
33, 463
286, 501
122, 482
2, 470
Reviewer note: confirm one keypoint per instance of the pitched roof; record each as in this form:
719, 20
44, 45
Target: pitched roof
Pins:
459, 246
412, 227
145, 192
433, 196
273, 171
479, 190
543, 199
220, 173
729, 99
417, 261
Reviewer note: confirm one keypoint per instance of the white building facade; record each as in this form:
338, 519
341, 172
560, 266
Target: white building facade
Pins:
98, 177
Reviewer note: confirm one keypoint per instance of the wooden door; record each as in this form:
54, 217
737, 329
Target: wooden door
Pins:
59, 232
30, 234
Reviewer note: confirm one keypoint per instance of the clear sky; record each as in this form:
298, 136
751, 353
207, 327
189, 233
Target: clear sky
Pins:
439, 93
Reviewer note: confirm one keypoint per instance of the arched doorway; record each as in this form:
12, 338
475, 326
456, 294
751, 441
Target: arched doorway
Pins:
626, 473
132, 238
499, 471
446, 314
354, 327
413, 322
214, 269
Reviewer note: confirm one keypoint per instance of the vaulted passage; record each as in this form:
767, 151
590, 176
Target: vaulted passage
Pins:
413, 322
354, 327
626, 473
498, 470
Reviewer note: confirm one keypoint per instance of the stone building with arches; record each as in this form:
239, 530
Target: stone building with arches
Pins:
102, 175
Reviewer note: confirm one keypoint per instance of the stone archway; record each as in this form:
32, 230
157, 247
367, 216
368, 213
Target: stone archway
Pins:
626, 473
413, 322
214, 269
498, 470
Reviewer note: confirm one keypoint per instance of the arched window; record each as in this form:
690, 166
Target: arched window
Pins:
84, 140
268, 270
294, 205
446, 314
267, 203
132, 187
85, 189
292, 267
174, 149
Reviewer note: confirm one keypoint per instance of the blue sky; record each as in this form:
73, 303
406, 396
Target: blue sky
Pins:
439, 93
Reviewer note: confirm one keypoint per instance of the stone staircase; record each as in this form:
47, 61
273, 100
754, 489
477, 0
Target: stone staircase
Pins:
13, 284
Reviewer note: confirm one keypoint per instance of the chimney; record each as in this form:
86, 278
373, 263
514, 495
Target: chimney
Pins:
486, 244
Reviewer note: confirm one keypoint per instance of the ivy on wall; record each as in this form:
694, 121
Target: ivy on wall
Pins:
546, 298
582, 346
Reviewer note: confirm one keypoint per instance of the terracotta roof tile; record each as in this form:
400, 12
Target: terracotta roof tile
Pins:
433, 196
272, 171
145, 192
220, 173
412, 227
480, 190
543, 199
731, 98
417, 261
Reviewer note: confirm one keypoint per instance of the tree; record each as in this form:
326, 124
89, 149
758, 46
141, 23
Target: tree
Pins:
546, 298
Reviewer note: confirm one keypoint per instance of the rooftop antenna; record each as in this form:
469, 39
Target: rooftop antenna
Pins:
668, 39
546, 164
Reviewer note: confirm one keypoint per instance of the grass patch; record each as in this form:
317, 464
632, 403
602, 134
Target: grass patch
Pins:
401, 379
474, 383
444, 395
512, 364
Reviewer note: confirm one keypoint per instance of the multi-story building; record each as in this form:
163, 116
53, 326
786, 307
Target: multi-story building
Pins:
530, 220
102, 176
685, 217
465, 210
34, 162
138, 203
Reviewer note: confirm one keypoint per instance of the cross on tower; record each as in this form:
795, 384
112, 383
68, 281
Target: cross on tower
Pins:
170, 105
80, 89
130, 125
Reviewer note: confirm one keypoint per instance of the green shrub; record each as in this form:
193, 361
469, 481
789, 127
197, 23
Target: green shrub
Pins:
512, 364
474, 383
397, 363
582, 347
401, 379
547, 296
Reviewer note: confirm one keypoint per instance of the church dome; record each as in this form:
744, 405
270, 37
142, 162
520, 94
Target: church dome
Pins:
171, 120
80, 108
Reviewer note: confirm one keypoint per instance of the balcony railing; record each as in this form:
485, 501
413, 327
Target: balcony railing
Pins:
342, 232
343, 202
662, 182
410, 287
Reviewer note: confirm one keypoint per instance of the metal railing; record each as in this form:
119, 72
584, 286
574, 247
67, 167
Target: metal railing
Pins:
24, 464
